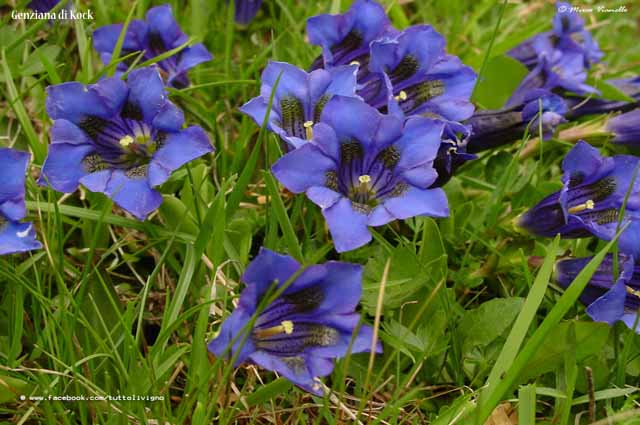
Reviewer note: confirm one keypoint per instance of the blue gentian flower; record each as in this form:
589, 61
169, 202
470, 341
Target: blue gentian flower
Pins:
590, 201
14, 235
555, 72
494, 128
364, 168
246, 10
581, 106
158, 34
568, 34
607, 301
345, 38
419, 77
625, 128
299, 98
452, 152
300, 333
121, 139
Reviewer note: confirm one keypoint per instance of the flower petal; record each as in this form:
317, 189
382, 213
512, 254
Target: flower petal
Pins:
74, 101
161, 22
231, 331
347, 226
414, 202
303, 168
13, 167
266, 267
64, 167
17, 237
192, 56
178, 149
133, 194
146, 91
168, 118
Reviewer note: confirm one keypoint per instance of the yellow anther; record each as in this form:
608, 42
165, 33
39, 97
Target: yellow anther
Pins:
354, 63
126, 141
364, 179
589, 205
308, 129
402, 95
285, 327
632, 291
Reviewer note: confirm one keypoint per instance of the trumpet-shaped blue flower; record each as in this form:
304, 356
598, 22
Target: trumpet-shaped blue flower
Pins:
300, 333
607, 300
496, 128
366, 169
626, 128
121, 139
155, 36
246, 10
345, 38
14, 235
299, 98
452, 152
568, 34
419, 77
590, 201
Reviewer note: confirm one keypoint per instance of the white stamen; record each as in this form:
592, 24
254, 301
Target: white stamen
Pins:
354, 63
589, 205
126, 141
402, 95
633, 291
308, 129
364, 179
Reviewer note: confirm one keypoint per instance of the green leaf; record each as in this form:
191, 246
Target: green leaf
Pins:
609, 91
527, 405
502, 75
33, 64
269, 391
283, 219
483, 325
406, 276
590, 338
11, 388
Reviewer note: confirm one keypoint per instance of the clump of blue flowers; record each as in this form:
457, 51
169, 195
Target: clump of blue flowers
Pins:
119, 138
364, 169
568, 35
155, 36
15, 236
590, 201
301, 331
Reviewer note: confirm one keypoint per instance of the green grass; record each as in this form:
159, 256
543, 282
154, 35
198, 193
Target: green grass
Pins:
467, 308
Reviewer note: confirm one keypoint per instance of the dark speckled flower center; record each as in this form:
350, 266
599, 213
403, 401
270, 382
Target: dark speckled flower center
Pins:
285, 328
589, 200
366, 180
407, 67
414, 96
123, 142
295, 121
